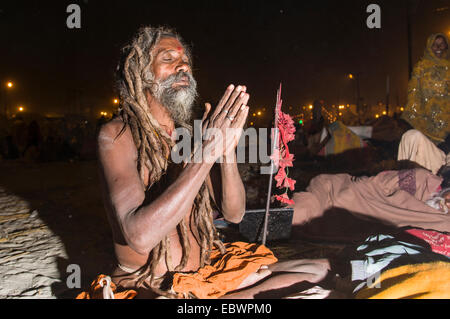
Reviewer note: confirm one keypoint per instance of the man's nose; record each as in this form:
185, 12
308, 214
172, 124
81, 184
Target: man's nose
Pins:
182, 66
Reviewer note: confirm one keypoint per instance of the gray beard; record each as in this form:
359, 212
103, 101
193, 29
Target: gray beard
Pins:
178, 101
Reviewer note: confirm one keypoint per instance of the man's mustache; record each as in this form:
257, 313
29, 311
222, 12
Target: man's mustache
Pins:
178, 77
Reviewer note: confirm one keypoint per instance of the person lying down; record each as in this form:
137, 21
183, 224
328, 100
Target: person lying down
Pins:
440, 201
339, 207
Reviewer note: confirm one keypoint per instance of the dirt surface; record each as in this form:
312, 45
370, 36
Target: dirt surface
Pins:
52, 216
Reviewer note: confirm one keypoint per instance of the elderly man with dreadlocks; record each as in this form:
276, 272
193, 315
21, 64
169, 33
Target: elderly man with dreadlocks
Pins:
161, 213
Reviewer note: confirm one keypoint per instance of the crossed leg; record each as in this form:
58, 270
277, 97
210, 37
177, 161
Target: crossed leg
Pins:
282, 278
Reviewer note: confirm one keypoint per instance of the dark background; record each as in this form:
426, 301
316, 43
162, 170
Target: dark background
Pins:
309, 46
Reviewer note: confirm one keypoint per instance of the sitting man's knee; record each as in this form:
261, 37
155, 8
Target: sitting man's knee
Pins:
413, 135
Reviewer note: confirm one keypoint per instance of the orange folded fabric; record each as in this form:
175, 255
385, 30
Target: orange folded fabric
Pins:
96, 291
226, 272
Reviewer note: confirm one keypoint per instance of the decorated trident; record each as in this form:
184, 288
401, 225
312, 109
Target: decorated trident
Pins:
283, 133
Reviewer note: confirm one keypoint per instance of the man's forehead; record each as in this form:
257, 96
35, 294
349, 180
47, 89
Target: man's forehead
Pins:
166, 44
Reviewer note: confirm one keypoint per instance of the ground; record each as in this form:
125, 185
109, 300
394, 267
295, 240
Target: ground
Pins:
52, 216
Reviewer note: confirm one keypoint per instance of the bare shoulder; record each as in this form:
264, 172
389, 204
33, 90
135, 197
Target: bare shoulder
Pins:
115, 135
112, 129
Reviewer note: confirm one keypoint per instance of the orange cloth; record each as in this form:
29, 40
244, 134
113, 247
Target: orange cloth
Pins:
226, 272
96, 291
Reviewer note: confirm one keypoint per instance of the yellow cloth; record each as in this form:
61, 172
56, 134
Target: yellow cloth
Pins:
342, 139
226, 272
428, 106
422, 281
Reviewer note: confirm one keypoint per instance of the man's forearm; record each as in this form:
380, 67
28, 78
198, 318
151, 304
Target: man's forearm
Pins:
149, 224
233, 191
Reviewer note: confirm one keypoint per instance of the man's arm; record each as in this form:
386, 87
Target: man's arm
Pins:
227, 189
143, 227
226, 186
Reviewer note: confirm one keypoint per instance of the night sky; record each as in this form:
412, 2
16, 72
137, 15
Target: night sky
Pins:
309, 46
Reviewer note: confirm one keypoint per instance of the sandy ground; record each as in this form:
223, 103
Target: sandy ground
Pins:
51, 216
29, 251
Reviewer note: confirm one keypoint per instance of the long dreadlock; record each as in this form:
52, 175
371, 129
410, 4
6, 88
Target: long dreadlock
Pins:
153, 144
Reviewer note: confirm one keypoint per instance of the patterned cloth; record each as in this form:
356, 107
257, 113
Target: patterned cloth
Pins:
439, 242
428, 106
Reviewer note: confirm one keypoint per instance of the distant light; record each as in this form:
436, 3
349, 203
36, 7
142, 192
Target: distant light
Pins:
310, 107
340, 113
441, 9
21, 109
377, 116
300, 122
116, 101
254, 114
259, 113
251, 123
10, 84
350, 76
402, 109
384, 112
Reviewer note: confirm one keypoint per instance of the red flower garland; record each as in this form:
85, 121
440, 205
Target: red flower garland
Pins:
281, 156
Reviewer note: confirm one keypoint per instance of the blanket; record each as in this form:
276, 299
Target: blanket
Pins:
438, 242
420, 281
328, 208
381, 252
